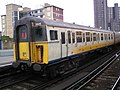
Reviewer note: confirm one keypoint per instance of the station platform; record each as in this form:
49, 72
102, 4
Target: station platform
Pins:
6, 57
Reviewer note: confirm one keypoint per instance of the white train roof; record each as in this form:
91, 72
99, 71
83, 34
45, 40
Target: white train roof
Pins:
62, 24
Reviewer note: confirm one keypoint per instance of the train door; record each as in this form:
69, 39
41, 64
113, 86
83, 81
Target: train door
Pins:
64, 44
22, 43
74, 43
69, 38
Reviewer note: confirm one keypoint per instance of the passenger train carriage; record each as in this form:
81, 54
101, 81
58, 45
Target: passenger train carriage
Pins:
39, 43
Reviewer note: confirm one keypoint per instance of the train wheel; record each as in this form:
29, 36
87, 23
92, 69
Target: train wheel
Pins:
24, 67
36, 67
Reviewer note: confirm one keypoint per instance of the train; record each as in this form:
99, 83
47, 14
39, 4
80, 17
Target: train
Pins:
48, 46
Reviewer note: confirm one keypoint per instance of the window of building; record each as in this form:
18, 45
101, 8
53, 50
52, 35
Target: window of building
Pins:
56, 9
3, 26
53, 35
36, 11
48, 13
3, 17
15, 13
48, 8
3, 21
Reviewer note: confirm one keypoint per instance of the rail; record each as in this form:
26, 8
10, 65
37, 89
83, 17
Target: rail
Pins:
82, 82
116, 84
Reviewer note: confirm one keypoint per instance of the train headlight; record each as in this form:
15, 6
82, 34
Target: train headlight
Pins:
24, 54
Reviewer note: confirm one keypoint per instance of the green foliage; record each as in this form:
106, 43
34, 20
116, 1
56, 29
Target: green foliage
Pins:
4, 38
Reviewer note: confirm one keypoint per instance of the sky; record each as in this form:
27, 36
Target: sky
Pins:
78, 11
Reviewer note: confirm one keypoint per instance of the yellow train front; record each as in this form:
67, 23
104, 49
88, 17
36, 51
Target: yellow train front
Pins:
47, 46
30, 44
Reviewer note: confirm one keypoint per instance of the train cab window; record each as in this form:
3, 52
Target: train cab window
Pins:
38, 33
53, 35
63, 37
69, 37
73, 37
87, 36
79, 36
101, 37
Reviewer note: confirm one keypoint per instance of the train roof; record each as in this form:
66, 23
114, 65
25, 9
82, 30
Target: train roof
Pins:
62, 24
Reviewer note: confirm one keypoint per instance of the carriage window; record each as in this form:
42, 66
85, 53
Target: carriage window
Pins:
73, 37
63, 37
98, 37
111, 36
94, 37
69, 37
53, 35
101, 36
87, 36
91, 37
105, 36
79, 36
83, 37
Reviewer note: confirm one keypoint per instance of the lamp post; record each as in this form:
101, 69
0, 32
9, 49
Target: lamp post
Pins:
19, 9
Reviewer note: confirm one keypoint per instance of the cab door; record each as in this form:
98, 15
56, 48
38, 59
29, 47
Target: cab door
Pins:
23, 43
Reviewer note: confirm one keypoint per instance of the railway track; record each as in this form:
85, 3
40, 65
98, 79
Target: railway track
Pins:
77, 81
106, 79
81, 84
30, 81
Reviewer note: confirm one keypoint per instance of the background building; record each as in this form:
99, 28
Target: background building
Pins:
100, 14
15, 12
11, 17
114, 18
48, 11
4, 26
106, 17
